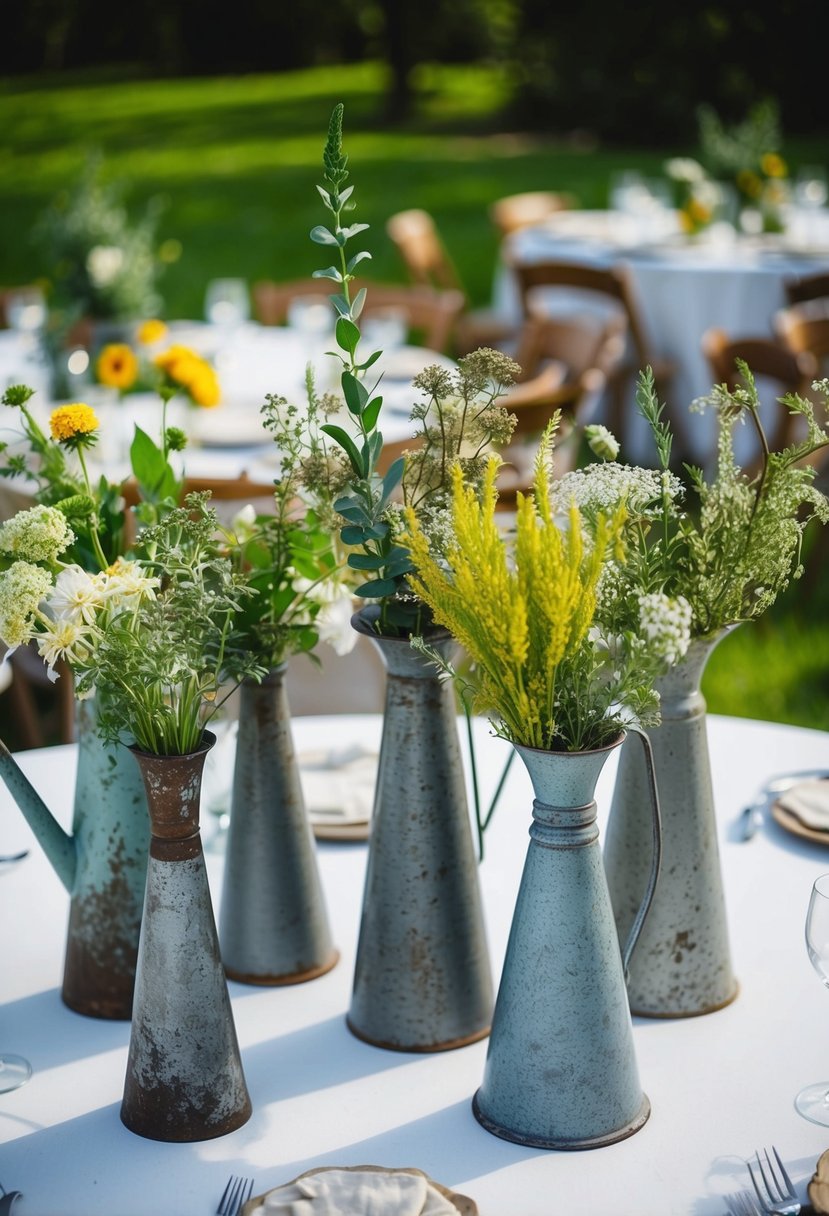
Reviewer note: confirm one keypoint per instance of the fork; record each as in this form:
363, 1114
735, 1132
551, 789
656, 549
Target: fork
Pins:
741, 1204
236, 1194
774, 1199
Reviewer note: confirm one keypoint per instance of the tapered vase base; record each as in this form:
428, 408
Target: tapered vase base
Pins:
531, 1141
669, 1014
184, 1133
281, 981
110, 1011
447, 1045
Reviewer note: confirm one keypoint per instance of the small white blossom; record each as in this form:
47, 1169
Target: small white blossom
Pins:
37, 535
603, 443
243, 524
63, 639
684, 169
127, 584
665, 623
333, 623
78, 596
103, 264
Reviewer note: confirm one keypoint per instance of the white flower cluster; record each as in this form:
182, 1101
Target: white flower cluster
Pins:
22, 587
601, 487
665, 624
333, 621
684, 169
104, 263
36, 535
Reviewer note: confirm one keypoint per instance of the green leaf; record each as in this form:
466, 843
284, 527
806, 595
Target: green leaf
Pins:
362, 256
347, 334
347, 444
152, 472
357, 303
376, 589
393, 476
356, 396
353, 230
330, 272
366, 561
370, 361
353, 536
321, 236
371, 413
305, 564
326, 197
342, 305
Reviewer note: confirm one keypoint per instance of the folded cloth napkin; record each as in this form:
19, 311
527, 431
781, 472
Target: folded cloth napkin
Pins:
808, 802
338, 785
348, 1192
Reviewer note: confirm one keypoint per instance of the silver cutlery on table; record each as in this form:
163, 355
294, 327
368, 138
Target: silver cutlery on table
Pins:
7, 858
773, 1186
8, 1198
235, 1195
751, 816
741, 1203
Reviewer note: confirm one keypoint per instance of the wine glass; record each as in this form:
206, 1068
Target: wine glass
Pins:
14, 1072
226, 303
813, 1101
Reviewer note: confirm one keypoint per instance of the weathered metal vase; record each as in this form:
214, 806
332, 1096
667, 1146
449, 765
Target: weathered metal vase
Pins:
102, 864
422, 979
273, 925
184, 1077
682, 965
561, 1070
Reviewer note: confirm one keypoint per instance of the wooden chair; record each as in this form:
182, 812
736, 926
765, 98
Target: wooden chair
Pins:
430, 313
516, 211
613, 287
427, 262
807, 287
41, 712
801, 330
771, 363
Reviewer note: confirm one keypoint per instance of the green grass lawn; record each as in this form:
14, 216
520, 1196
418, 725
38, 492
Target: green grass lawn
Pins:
236, 161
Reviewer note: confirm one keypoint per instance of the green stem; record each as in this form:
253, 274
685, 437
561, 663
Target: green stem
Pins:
93, 523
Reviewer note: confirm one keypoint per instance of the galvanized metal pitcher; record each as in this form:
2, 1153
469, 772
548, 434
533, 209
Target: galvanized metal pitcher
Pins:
561, 1070
184, 1077
102, 864
422, 979
273, 925
682, 965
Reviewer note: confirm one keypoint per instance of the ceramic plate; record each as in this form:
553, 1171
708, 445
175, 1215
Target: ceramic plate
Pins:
792, 824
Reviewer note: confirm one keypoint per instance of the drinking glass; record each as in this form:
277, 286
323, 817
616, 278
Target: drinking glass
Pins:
813, 1101
14, 1072
26, 309
811, 187
227, 304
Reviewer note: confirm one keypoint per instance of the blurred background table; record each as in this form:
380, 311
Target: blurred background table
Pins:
720, 1086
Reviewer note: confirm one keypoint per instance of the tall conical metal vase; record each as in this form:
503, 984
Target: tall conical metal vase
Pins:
561, 1070
184, 1077
682, 965
422, 979
273, 924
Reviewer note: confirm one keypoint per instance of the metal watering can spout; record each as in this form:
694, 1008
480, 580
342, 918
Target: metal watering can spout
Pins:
59, 847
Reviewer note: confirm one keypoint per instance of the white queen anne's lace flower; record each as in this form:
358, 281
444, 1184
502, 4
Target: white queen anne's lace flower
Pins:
665, 624
36, 535
22, 587
601, 487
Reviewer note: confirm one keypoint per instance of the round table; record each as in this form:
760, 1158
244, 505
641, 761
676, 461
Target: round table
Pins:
720, 1085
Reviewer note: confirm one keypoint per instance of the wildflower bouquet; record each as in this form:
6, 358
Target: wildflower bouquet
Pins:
748, 154
103, 265
300, 592
153, 364
721, 560
458, 420
697, 196
524, 609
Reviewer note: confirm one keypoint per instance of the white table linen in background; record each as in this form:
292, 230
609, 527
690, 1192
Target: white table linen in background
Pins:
682, 288
720, 1085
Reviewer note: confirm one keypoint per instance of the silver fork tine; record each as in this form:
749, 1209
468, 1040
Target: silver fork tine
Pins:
773, 1187
226, 1203
246, 1192
764, 1201
786, 1177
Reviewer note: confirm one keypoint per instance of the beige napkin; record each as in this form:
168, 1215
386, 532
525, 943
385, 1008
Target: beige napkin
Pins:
347, 1192
338, 785
808, 802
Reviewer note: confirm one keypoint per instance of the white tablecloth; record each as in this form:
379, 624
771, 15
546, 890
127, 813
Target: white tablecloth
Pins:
720, 1085
682, 287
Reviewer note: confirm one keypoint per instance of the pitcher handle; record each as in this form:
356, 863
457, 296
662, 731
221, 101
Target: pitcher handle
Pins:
656, 861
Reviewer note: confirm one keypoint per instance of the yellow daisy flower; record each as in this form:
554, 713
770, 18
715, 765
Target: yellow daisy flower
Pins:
151, 331
72, 422
773, 165
117, 366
